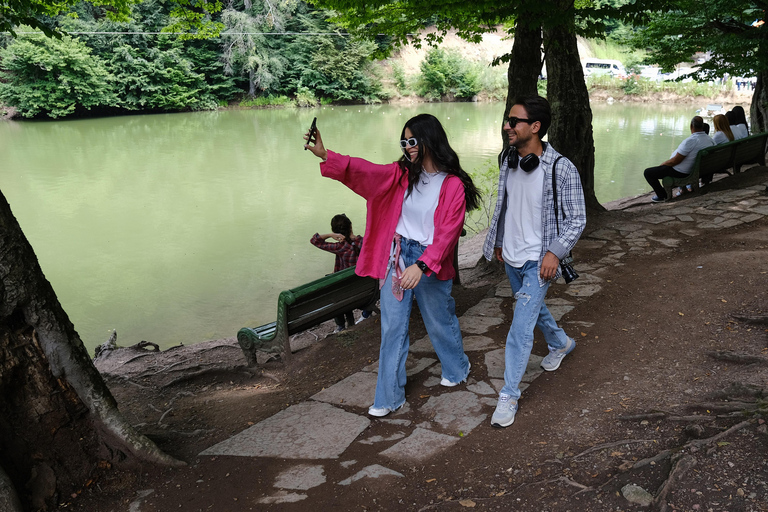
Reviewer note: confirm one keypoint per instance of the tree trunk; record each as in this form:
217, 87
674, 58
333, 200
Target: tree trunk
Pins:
759, 109
524, 66
571, 130
59, 423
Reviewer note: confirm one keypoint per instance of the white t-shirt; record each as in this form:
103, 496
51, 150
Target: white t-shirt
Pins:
739, 131
417, 218
720, 138
689, 148
522, 221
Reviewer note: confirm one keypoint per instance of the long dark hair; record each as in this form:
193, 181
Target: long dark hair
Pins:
740, 117
433, 141
342, 225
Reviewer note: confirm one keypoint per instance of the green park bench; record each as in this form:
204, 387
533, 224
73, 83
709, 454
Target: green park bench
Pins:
720, 158
306, 306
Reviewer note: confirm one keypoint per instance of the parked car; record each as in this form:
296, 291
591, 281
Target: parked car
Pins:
613, 68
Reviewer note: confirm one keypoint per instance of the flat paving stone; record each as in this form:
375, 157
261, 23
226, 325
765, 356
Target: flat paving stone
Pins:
657, 219
382, 439
503, 289
752, 217
373, 471
458, 411
494, 363
420, 445
422, 346
309, 430
486, 307
301, 477
356, 390
481, 388
559, 312
413, 365
478, 324
282, 497
478, 343
585, 290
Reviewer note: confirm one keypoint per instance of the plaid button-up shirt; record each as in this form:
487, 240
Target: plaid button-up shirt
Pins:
572, 213
346, 253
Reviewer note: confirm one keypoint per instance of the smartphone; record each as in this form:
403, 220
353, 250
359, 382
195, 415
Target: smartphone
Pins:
312, 130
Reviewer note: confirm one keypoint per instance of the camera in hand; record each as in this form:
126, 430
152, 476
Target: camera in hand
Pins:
566, 267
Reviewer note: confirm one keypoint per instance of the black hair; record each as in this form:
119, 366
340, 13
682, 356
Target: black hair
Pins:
740, 117
731, 118
697, 123
538, 109
706, 128
342, 225
433, 141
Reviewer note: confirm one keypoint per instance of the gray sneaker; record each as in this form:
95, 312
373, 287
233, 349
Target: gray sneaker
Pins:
555, 357
504, 415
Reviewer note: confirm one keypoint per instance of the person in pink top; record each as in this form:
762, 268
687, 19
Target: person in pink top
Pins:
415, 214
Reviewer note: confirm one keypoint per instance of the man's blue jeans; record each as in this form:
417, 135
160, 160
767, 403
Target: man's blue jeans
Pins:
530, 312
438, 310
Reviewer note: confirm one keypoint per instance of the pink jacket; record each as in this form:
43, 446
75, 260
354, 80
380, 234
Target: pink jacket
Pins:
383, 187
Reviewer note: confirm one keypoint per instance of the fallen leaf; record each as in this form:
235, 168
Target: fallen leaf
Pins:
424, 396
467, 503
583, 334
681, 314
502, 493
723, 300
608, 410
431, 480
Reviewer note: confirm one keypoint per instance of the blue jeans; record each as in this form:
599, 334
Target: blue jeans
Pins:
438, 310
530, 312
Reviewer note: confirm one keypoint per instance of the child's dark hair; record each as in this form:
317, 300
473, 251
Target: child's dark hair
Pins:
342, 225
428, 131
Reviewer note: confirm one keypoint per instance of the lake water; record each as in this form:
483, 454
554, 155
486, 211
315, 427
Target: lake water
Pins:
185, 227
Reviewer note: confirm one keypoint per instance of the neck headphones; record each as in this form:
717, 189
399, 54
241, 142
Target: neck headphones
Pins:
528, 163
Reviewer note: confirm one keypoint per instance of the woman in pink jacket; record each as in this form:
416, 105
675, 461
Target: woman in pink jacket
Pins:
415, 216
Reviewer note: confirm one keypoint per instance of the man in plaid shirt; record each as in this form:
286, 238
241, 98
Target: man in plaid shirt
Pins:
525, 235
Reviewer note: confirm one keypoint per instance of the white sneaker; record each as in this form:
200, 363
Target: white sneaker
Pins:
445, 382
552, 361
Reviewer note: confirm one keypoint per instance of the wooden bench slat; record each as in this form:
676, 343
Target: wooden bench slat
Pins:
306, 306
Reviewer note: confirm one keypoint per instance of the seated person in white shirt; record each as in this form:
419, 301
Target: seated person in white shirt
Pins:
680, 163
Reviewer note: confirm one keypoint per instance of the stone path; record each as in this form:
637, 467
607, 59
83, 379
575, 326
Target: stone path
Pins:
317, 433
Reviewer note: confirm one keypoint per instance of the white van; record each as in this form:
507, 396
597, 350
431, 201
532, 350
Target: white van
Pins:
613, 68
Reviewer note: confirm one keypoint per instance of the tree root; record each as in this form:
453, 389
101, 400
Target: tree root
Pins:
751, 319
9, 500
611, 445
735, 357
680, 467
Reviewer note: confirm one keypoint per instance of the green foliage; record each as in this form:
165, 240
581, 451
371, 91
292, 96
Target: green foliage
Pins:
486, 178
447, 73
401, 80
33, 13
305, 97
159, 79
42, 75
676, 30
641, 85
193, 19
267, 101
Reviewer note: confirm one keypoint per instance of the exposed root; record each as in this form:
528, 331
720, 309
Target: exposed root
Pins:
736, 357
751, 319
611, 445
680, 467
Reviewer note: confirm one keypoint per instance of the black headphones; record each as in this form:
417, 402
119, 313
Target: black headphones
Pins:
528, 163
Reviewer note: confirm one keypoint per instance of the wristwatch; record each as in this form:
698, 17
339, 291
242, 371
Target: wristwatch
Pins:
423, 266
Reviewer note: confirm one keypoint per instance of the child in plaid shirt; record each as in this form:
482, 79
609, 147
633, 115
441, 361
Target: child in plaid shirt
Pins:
346, 246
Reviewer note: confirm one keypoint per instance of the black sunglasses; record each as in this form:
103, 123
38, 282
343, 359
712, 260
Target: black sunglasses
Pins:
514, 120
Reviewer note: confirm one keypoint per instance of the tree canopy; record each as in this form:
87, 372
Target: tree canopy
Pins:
732, 32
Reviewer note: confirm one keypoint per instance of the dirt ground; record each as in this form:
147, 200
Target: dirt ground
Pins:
673, 357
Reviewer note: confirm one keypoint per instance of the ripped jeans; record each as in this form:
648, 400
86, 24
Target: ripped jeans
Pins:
530, 312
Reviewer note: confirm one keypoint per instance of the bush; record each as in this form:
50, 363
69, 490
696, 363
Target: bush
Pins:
267, 101
446, 72
305, 97
42, 75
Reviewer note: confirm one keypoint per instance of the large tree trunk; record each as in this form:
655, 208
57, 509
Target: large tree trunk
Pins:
525, 64
571, 130
59, 423
759, 109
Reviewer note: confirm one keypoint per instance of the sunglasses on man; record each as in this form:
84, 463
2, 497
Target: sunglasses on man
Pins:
514, 120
